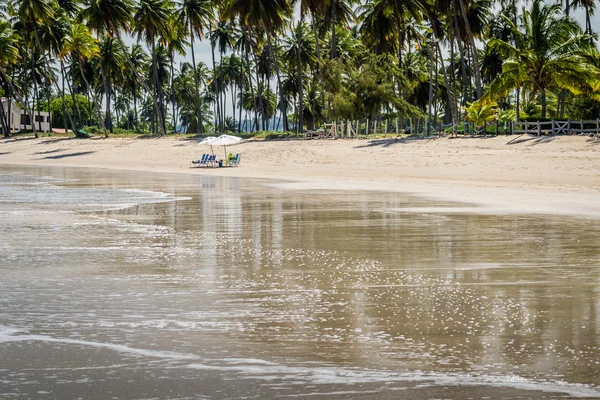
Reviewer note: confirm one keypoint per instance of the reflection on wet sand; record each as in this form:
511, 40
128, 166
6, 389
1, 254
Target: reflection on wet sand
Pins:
347, 279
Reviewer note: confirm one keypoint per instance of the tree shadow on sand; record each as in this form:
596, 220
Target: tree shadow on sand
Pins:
50, 141
396, 141
48, 152
533, 140
59, 156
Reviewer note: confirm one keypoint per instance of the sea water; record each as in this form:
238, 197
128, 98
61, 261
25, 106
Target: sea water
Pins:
140, 285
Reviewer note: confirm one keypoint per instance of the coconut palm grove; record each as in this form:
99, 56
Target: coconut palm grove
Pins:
112, 66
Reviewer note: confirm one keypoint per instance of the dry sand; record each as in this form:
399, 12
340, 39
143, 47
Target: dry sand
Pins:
506, 174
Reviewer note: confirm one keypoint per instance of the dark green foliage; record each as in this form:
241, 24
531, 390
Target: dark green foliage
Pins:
367, 89
81, 112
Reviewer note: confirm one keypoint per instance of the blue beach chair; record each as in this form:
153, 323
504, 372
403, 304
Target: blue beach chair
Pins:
235, 162
201, 162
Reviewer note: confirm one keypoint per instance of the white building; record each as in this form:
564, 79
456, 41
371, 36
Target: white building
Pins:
20, 119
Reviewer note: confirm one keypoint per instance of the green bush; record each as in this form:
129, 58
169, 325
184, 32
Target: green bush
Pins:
56, 107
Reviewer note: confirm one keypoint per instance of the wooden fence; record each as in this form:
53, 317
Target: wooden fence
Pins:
557, 127
349, 129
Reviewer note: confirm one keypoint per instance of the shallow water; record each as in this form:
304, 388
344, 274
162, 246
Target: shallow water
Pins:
168, 286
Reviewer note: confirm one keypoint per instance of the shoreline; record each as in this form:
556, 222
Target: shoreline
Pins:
556, 176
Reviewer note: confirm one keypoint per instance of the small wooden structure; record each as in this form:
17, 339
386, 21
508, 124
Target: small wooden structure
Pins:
590, 128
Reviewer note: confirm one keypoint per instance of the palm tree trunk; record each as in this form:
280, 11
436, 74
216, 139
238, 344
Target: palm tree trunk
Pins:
518, 104
233, 96
461, 54
224, 102
158, 87
5, 129
89, 90
117, 111
313, 98
216, 104
9, 114
588, 22
172, 96
447, 82
240, 91
430, 50
247, 51
107, 123
32, 113
135, 110
453, 78
300, 83
283, 104
333, 33
259, 94
62, 95
48, 100
319, 64
198, 109
72, 93
544, 103
478, 85
36, 94
222, 92
400, 89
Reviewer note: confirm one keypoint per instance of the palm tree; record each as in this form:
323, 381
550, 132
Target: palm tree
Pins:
551, 53
138, 60
233, 74
152, 23
9, 54
221, 37
300, 51
339, 15
111, 67
197, 14
589, 7
82, 46
379, 30
30, 13
315, 7
107, 18
176, 44
270, 16
479, 113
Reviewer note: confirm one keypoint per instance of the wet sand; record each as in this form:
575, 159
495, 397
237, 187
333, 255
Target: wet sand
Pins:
543, 290
505, 174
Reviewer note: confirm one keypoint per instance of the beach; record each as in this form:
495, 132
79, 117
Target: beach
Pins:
310, 270
503, 174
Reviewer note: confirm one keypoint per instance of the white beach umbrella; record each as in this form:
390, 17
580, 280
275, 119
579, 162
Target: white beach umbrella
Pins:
206, 140
223, 140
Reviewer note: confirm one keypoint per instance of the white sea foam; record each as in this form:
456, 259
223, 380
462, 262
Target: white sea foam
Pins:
8, 335
341, 376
